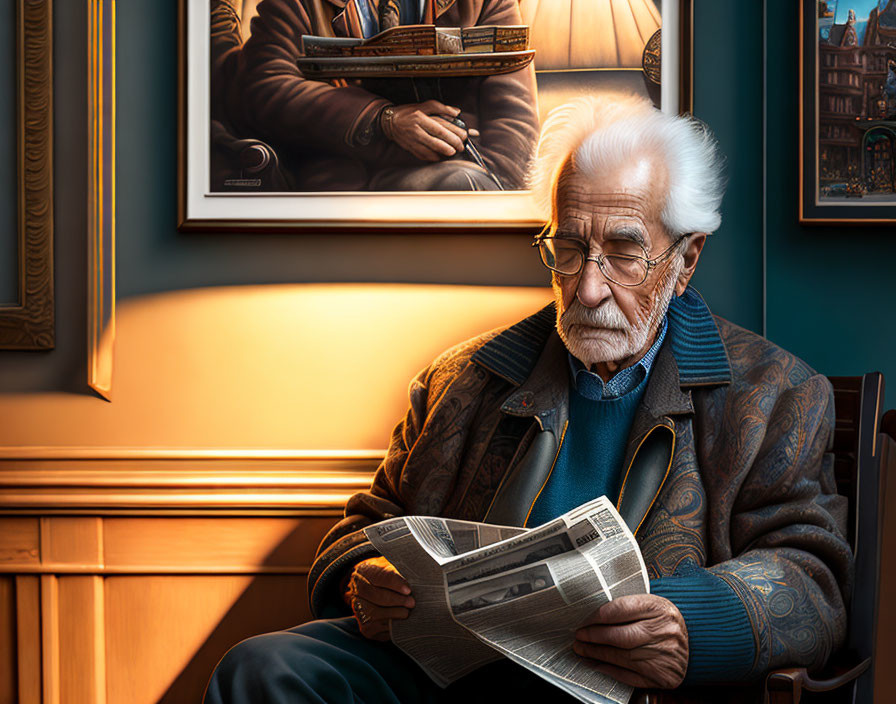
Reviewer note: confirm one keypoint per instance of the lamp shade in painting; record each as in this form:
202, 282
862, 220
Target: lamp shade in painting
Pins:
589, 34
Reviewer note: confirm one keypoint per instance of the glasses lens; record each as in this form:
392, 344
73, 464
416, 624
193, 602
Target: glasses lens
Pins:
563, 257
629, 271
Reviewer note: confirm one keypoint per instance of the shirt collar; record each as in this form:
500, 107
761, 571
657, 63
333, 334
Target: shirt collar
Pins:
592, 387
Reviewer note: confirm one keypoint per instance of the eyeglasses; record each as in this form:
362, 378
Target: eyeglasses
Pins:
567, 256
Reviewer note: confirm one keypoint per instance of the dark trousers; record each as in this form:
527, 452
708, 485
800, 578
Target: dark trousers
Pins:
330, 662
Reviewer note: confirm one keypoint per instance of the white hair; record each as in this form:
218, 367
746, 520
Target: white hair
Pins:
591, 134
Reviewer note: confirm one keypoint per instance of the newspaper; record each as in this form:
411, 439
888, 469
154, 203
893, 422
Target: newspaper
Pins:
483, 592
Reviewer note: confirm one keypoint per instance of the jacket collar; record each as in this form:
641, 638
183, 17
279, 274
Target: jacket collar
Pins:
696, 343
512, 354
698, 355
546, 388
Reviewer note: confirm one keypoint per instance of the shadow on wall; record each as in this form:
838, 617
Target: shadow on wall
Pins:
270, 603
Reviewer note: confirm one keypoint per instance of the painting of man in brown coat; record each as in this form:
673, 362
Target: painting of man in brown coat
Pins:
388, 134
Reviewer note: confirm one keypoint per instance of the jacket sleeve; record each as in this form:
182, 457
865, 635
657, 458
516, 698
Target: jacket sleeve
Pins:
508, 109
785, 555
345, 545
281, 105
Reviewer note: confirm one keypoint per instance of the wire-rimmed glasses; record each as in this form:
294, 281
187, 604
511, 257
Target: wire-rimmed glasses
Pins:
567, 256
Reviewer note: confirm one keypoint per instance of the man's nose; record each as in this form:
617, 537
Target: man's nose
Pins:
593, 288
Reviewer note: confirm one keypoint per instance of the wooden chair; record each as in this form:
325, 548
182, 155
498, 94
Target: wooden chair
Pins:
863, 457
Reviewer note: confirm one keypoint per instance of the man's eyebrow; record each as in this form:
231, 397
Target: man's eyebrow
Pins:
629, 232
566, 233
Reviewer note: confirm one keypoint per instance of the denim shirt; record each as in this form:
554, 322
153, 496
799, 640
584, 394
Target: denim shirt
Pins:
591, 386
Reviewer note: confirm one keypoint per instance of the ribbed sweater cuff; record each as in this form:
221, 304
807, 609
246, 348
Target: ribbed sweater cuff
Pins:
720, 637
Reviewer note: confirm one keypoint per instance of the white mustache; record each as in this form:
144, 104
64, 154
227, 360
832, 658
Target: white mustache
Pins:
608, 316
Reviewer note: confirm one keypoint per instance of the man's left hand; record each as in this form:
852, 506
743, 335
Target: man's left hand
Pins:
640, 640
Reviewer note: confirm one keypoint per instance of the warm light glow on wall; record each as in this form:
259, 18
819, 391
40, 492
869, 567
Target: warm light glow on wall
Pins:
290, 367
588, 34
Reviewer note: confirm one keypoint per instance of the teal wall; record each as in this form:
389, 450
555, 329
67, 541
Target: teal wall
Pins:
823, 293
726, 45
830, 292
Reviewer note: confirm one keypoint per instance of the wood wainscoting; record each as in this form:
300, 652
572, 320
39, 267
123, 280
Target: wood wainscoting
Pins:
125, 576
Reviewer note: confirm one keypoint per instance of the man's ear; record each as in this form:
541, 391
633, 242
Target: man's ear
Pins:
691, 256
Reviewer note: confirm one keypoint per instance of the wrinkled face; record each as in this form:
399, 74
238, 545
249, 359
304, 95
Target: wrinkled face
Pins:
601, 322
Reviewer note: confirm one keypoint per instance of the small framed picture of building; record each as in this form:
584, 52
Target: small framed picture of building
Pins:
848, 111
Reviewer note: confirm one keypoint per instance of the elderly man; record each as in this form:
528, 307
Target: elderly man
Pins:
711, 440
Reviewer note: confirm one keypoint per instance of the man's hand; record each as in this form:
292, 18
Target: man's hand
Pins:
377, 593
640, 640
420, 129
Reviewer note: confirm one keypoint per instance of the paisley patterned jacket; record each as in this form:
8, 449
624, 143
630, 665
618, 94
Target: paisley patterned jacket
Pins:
726, 468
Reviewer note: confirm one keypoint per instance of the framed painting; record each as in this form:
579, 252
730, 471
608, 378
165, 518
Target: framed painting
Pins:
848, 111
28, 322
326, 115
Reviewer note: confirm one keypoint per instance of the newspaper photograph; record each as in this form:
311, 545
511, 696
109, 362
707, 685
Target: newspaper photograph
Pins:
484, 592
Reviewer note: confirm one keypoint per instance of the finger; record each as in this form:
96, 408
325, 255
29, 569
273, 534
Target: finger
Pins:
440, 129
473, 133
633, 607
434, 107
445, 124
384, 577
409, 140
424, 153
638, 660
434, 144
368, 612
633, 679
375, 631
379, 595
371, 617
385, 614
628, 636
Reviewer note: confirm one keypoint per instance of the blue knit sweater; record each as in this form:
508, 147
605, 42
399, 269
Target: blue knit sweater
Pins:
590, 460
589, 464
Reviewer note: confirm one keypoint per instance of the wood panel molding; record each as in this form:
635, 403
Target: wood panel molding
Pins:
29, 645
30, 323
54, 452
126, 574
101, 195
160, 545
178, 480
131, 571
126, 608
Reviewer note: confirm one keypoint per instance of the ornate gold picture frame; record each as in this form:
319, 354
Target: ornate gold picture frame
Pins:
29, 323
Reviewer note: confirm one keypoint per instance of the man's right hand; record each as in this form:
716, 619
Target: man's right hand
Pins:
377, 593
419, 129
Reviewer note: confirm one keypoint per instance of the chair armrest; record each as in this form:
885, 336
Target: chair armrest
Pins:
253, 155
786, 685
